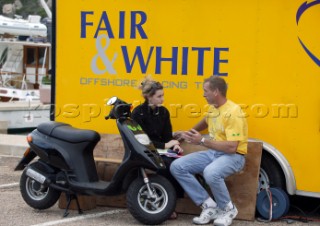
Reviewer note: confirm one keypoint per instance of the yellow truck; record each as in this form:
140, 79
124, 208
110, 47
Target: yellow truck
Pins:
267, 50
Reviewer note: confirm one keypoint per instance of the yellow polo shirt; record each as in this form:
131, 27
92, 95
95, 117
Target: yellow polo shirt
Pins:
228, 123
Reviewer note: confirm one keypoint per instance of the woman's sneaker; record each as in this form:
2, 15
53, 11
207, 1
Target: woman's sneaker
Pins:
207, 215
226, 216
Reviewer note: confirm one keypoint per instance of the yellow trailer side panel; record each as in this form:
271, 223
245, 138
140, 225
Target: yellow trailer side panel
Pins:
267, 50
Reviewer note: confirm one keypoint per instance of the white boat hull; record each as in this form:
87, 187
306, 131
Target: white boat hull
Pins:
9, 94
21, 27
23, 114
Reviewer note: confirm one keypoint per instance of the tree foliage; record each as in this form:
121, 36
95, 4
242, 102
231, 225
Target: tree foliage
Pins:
29, 7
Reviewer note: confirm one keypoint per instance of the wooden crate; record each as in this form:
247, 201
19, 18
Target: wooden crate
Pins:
242, 186
85, 202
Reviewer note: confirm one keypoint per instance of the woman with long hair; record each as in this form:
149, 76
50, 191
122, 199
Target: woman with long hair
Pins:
155, 121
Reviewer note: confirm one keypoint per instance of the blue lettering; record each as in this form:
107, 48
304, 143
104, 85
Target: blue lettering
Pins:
84, 23
138, 26
184, 68
138, 19
217, 61
174, 60
138, 53
200, 58
107, 26
121, 25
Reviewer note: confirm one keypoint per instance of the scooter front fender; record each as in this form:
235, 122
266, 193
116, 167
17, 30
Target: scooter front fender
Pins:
28, 156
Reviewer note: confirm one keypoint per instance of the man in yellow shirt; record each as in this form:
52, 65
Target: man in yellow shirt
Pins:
225, 156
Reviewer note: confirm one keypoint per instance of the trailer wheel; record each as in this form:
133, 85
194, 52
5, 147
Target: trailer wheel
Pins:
275, 198
271, 174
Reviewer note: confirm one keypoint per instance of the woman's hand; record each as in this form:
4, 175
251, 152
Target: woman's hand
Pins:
178, 149
171, 144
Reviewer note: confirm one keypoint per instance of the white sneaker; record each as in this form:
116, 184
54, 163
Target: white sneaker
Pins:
225, 217
207, 215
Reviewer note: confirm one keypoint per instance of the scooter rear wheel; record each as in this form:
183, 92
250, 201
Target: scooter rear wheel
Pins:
36, 195
153, 209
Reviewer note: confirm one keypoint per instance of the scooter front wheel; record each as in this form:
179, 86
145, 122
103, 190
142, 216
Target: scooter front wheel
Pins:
37, 195
152, 208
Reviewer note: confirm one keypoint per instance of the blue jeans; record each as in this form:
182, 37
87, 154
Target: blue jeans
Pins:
215, 166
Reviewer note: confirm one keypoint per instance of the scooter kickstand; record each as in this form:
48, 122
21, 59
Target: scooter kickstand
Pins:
70, 197
78, 205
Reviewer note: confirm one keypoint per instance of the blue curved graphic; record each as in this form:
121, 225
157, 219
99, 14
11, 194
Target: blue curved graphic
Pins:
312, 56
304, 7
300, 11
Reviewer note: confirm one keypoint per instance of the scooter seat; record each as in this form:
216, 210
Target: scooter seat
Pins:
66, 132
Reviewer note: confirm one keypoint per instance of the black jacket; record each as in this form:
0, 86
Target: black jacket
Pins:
155, 123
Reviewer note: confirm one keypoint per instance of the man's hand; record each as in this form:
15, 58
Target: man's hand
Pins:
179, 135
171, 144
192, 136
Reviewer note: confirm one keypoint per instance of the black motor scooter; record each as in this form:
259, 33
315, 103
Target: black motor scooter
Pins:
65, 163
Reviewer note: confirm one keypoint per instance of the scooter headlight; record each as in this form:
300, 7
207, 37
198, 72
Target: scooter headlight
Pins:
143, 139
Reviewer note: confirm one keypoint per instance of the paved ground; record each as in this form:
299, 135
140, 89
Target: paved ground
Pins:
16, 212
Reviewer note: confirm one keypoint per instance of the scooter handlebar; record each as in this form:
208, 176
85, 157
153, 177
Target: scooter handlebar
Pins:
120, 108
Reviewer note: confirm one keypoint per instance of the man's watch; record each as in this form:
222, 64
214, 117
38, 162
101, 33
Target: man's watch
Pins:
202, 141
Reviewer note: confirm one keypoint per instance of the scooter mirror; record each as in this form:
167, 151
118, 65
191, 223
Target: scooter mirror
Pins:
112, 100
